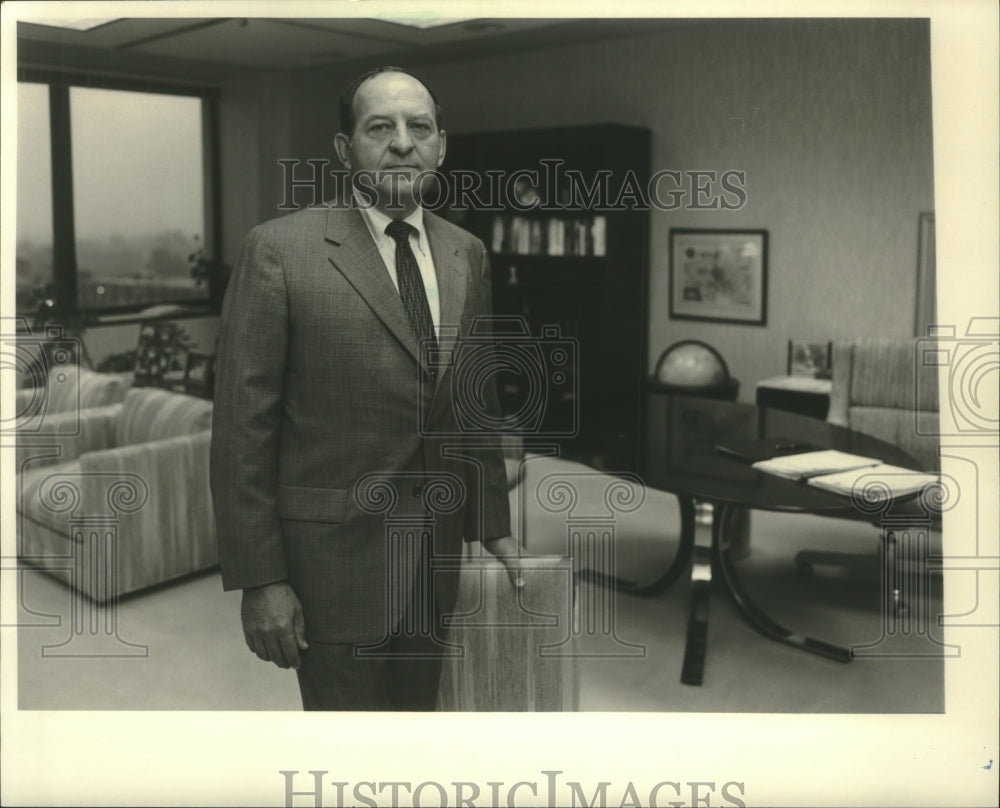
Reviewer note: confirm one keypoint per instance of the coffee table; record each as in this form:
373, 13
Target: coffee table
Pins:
681, 434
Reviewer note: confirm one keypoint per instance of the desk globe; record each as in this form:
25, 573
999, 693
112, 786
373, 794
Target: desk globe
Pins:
694, 367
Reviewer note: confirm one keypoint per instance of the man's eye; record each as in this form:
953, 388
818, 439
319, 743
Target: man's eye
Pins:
378, 128
421, 128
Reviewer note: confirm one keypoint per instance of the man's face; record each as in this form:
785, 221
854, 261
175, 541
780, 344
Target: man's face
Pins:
395, 134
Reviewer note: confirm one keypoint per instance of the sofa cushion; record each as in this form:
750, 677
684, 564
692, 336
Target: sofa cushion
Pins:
70, 388
150, 414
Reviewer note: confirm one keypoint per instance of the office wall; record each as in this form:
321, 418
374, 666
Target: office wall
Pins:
255, 123
830, 120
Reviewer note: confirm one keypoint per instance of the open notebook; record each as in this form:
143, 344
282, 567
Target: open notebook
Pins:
804, 465
875, 482
844, 473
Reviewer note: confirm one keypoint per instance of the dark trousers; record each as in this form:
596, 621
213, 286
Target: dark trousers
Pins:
341, 677
401, 672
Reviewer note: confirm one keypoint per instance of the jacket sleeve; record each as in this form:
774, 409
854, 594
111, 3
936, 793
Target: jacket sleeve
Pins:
490, 516
250, 369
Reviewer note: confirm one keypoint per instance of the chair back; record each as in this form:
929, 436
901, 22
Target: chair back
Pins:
511, 651
879, 388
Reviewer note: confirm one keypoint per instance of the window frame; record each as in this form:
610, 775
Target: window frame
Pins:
64, 262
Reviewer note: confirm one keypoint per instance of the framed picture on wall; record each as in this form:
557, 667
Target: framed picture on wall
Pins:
926, 275
718, 275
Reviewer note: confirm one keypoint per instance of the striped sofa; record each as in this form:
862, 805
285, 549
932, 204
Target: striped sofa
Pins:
120, 502
68, 388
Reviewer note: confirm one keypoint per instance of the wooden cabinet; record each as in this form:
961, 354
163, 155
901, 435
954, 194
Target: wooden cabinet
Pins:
564, 215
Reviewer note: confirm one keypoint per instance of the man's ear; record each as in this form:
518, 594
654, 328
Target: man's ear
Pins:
442, 146
342, 145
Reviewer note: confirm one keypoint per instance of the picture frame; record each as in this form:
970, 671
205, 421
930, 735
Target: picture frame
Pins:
718, 275
926, 307
812, 360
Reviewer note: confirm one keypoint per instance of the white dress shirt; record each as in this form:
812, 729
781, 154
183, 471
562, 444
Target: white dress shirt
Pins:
386, 244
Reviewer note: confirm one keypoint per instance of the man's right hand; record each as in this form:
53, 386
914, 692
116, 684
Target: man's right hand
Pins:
273, 625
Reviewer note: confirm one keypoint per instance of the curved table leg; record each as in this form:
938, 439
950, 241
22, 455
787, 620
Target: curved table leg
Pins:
696, 644
681, 560
760, 621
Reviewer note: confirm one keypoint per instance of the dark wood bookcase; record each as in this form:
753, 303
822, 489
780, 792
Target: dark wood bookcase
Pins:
577, 275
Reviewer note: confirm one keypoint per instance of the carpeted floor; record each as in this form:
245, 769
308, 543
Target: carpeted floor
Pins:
188, 653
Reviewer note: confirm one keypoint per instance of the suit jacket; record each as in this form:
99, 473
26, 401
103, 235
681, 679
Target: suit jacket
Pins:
320, 466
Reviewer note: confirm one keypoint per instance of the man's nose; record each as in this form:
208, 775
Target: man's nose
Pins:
401, 141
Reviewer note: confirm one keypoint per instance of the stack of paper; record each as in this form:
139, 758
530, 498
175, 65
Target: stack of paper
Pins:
805, 465
879, 482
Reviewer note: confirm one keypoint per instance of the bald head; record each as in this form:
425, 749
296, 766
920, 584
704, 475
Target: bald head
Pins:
348, 108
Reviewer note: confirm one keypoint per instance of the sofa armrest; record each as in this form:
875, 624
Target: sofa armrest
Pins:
25, 398
170, 530
63, 436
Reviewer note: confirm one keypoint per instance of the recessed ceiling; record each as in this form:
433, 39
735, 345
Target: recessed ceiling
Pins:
274, 43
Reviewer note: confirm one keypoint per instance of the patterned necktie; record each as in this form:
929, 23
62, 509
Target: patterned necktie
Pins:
411, 285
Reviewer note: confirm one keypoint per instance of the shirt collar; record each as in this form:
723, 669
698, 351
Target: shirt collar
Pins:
377, 222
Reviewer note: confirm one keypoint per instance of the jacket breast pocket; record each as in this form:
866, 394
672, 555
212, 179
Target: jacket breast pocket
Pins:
307, 504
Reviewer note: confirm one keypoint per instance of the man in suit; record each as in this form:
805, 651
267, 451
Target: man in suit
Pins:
337, 475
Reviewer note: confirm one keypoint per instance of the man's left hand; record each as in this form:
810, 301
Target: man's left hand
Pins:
508, 552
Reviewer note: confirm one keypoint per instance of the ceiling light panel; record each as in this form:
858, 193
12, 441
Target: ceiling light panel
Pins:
76, 23
114, 34
263, 43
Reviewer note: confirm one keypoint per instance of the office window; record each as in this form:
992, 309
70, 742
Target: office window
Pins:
138, 196
130, 214
33, 277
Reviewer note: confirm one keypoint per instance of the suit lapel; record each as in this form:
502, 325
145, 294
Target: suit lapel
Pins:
452, 278
352, 251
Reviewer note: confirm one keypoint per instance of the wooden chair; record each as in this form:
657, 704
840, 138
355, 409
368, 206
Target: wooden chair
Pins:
513, 648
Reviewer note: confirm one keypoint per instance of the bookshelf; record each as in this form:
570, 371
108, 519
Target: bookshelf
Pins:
573, 263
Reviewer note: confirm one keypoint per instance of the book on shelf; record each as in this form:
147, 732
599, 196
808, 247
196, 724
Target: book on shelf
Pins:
535, 238
881, 482
599, 234
556, 235
805, 465
521, 228
580, 237
556, 240
498, 234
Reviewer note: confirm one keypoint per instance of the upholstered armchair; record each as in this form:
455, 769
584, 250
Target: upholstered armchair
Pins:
121, 501
881, 389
